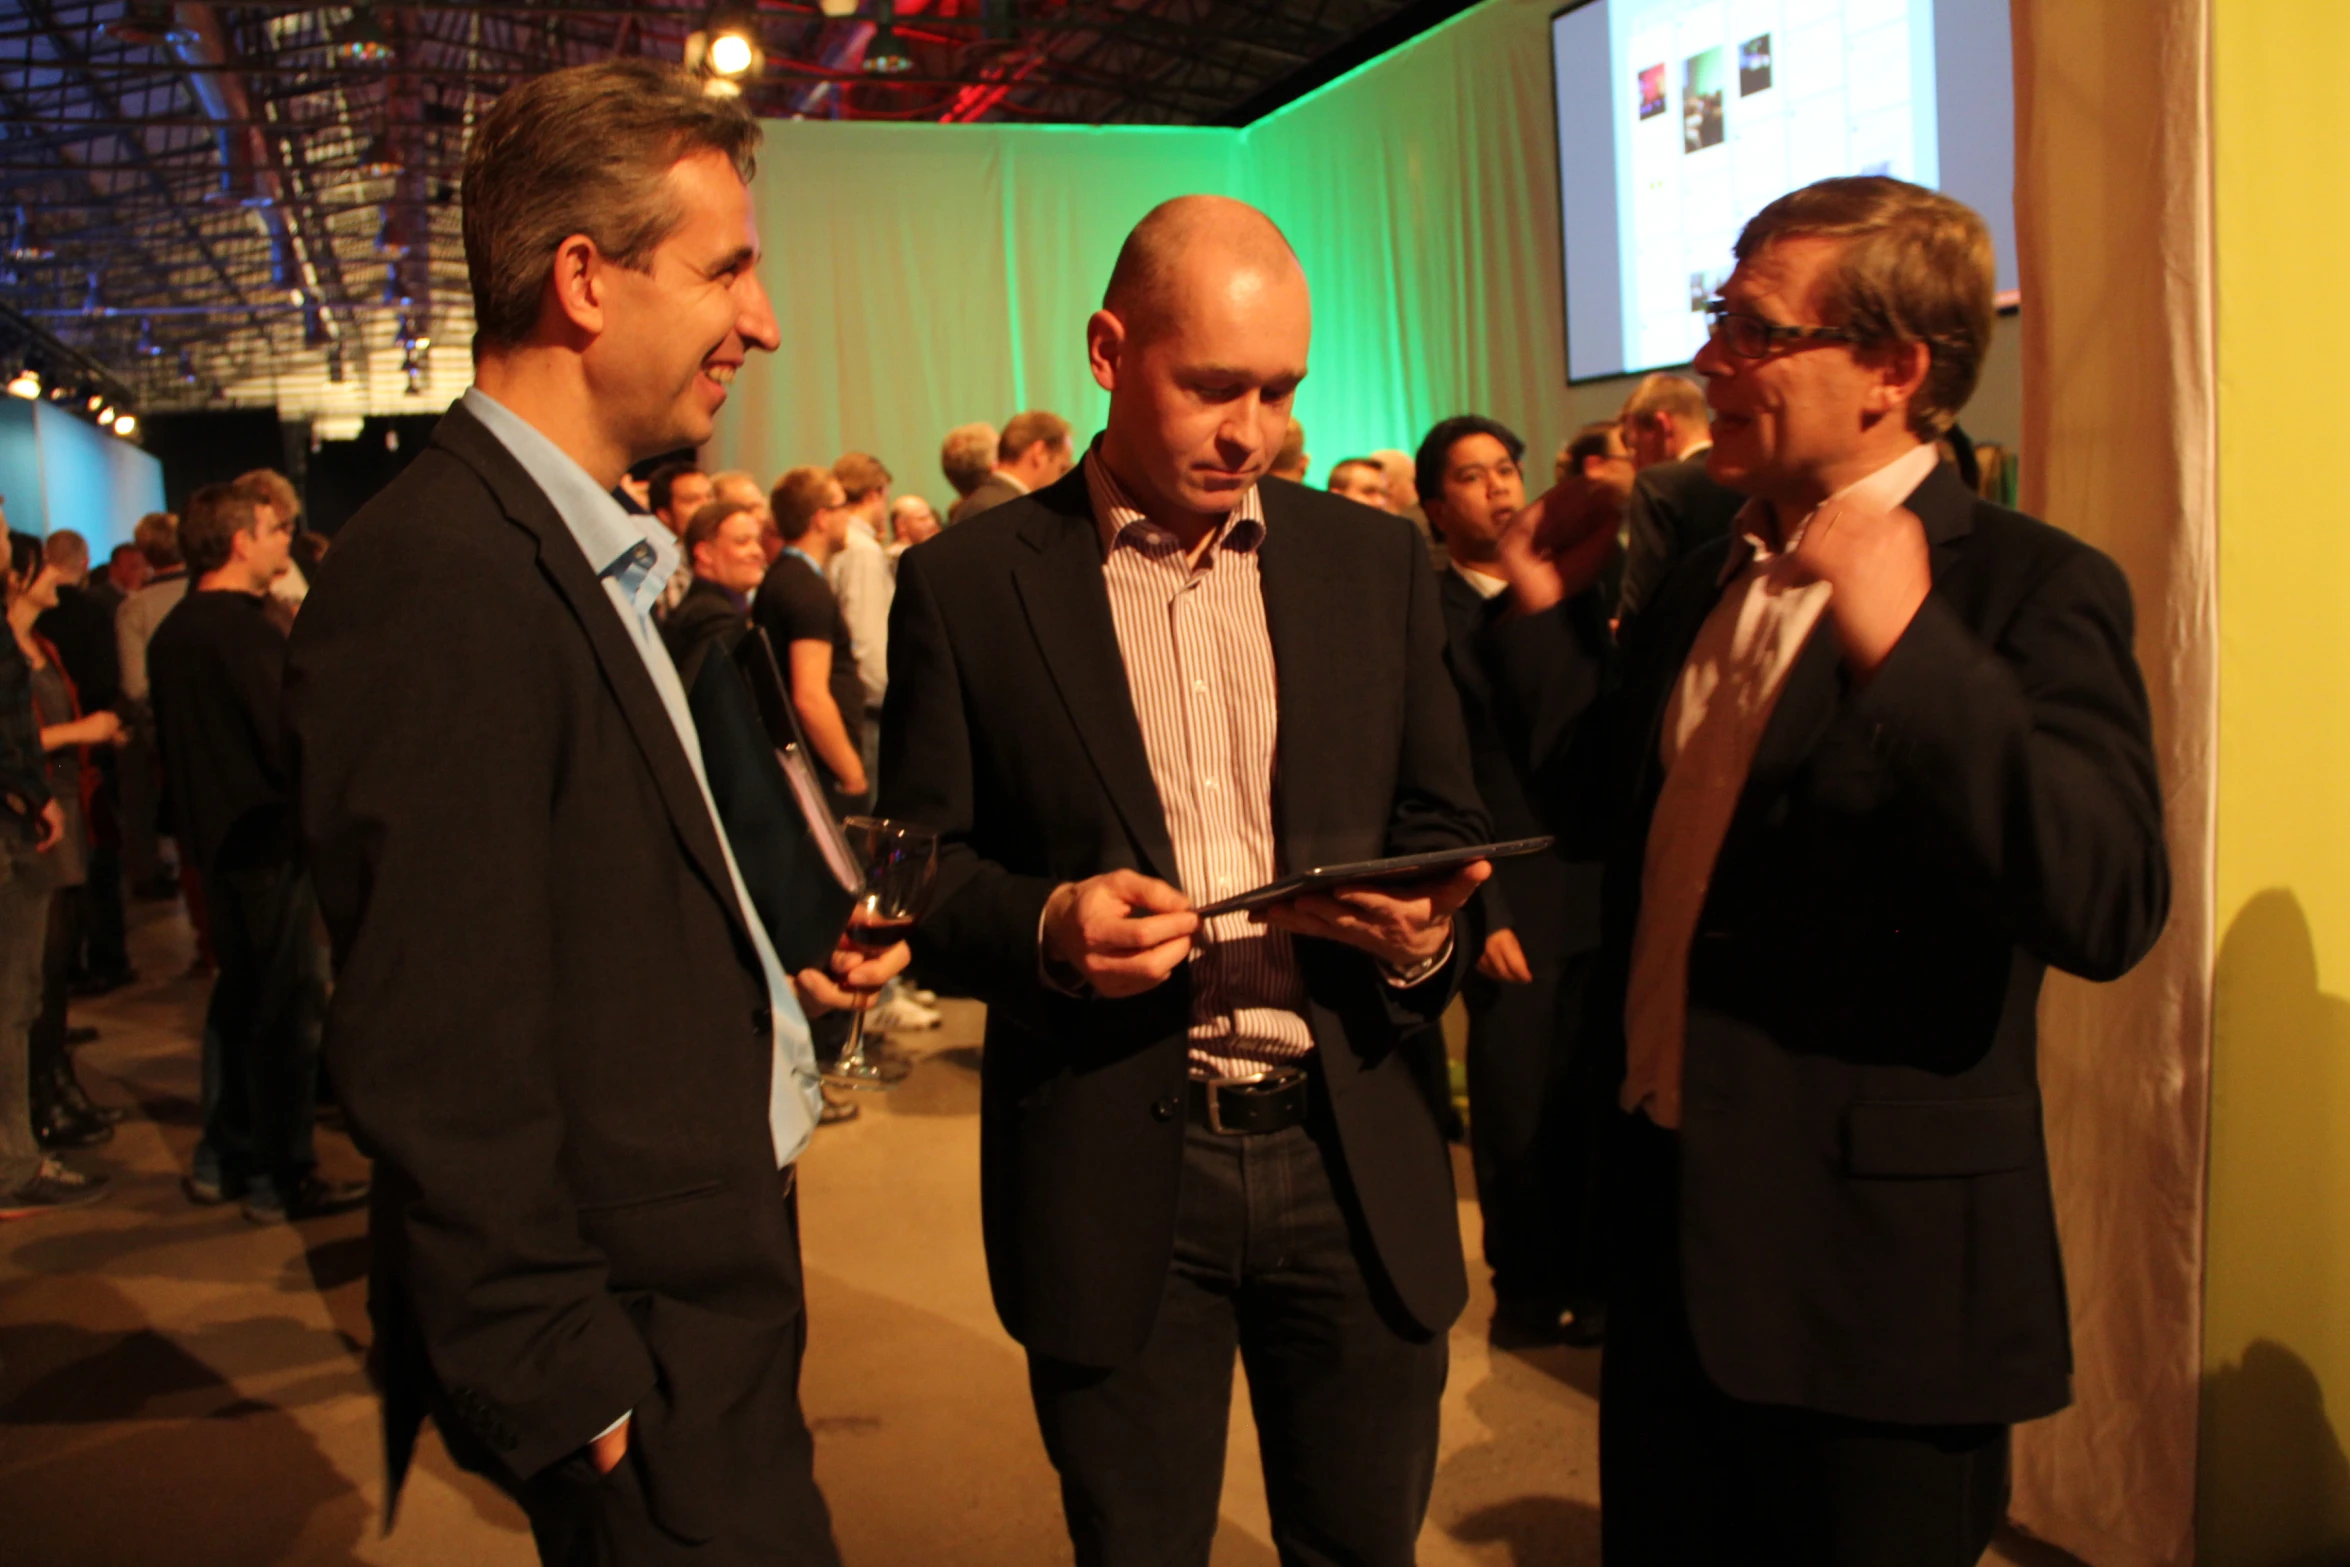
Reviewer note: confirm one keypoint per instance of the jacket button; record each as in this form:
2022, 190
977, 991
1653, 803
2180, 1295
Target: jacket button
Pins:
1164, 1110
762, 1020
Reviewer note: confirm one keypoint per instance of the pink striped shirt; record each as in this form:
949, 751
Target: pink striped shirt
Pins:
1199, 666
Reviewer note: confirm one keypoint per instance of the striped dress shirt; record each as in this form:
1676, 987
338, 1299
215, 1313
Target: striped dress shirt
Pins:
1199, 666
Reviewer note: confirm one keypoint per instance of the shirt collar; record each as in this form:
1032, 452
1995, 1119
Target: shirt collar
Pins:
636, 552
1888, 486
1121, 521
794, 549
1486, 585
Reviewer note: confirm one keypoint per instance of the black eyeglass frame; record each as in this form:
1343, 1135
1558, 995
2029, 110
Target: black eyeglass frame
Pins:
1775, 334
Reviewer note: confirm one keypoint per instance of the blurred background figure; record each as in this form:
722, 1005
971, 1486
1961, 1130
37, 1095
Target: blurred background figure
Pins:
157, 538
1361, 480
1034, 451
1292, 461
967, 456
911, 521
81, 628
1676, 506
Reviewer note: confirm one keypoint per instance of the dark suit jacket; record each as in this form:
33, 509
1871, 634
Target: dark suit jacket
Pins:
81, 628
549, 1025
705, 621
1676, 509
1865, 1220
1550, 900
986, 495
1010, 729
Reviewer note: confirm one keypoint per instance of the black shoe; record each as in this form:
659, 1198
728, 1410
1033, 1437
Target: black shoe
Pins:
56, 1126
68, 1091
311, 1198
53, 1188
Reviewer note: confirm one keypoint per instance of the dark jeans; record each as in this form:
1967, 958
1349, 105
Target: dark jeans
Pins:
60, 936
1691, 1477
261, 1031
1530, 1133
1271, 1260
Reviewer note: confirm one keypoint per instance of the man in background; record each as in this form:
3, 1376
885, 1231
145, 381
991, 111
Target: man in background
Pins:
1528, 1141
1403, 499
862, 578
967, 456
157, 538
1291, 462
127, 571
1676, 506
219, 671
723, 543
804, 622
739, 489
1362, 481
911, 521
675, 492
272, 489
1034, 451
81, 628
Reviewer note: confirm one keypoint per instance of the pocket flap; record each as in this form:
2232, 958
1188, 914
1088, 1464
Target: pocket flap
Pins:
1942, 1137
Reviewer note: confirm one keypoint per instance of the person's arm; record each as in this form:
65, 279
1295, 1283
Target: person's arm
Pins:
811, 698
99, 728
131, 632
24, 774
441, 1035
862, 580
2034, 757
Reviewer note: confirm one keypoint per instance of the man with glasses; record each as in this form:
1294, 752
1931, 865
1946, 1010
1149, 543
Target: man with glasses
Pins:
1882, 758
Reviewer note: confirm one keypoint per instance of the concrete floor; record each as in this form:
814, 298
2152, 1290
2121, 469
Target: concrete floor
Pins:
179, 1385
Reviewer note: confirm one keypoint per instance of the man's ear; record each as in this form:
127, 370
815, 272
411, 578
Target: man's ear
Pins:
1900, 374
1105, 347
576, 285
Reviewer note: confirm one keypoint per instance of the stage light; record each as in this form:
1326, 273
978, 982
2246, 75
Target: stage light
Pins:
106, 414
837, 8
126, 425
95, 403
730, 54
361, 40
26, 384
886, 55
725, 50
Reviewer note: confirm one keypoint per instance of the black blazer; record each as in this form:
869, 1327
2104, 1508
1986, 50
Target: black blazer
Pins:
549, 1025
1675, 510
1866, 1225
1010, 730
1550, 900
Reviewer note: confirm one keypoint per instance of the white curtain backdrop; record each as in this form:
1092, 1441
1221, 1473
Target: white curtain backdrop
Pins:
2113, 204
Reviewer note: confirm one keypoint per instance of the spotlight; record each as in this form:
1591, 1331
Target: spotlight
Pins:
730, 54
24, 242
837, 8
886, 54
725, 50
126, 425
95, 403
361, 40
26, 384
106, 414
381, 160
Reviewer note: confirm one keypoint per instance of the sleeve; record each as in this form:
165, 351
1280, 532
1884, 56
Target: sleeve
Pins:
24, 774
435, 881
983, 921
2034, 758
1551, 674
865, 586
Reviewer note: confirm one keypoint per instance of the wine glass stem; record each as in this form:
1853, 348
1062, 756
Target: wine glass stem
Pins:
855, 1059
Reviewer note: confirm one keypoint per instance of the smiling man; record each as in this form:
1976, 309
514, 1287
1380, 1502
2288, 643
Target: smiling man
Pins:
1886, 759
559, 1022
1164, 680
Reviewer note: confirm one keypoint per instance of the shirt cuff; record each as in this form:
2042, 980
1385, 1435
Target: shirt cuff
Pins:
1055, 975
1406, 978
608, 1430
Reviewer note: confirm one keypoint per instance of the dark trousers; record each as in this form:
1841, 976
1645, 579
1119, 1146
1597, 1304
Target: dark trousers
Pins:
579, 1518
104, 951
1529, 1137
1270, 1260
59, 939
261, 1030
1691, 1477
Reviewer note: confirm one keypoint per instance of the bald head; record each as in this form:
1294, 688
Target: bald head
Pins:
1201, 343
1190, 246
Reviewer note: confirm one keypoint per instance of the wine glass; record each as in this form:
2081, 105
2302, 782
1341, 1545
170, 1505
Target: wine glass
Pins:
901, 866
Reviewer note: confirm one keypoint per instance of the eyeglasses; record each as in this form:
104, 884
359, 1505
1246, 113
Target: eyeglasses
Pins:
1751, 337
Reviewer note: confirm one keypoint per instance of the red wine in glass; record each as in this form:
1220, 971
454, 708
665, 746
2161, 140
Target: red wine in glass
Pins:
901, 866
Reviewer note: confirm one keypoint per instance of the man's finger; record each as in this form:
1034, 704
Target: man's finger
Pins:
1146, 892
1154, 964
1129, 935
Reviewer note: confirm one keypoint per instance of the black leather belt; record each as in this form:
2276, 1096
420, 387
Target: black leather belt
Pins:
1233, 1106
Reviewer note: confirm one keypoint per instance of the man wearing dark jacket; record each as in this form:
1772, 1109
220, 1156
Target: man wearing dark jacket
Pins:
1676, 507
559, 1021
722, 544
1155, 685
1879, 761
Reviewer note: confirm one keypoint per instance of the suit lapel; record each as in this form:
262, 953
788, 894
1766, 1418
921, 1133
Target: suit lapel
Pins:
1310, 668
528, 508
1068, 609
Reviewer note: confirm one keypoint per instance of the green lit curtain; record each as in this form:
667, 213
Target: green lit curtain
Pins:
925, 276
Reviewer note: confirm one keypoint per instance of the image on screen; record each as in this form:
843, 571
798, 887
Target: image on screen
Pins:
1680, 119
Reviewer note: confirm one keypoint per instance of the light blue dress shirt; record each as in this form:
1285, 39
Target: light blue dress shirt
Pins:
635, 557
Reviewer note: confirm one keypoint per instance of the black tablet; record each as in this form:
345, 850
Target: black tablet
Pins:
1404, 868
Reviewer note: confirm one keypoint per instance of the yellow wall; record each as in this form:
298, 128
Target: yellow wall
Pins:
2275, 1483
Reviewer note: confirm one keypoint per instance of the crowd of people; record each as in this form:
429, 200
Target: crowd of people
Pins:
1826, 759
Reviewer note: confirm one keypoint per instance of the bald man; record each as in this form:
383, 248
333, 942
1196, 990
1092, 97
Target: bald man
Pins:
1162, 681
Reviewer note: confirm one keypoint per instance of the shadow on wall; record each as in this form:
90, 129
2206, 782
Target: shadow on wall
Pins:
2274, 1484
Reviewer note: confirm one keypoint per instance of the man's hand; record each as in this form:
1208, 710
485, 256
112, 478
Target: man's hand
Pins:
1876, 565
1560, 542
852, 982
1122, 933
52, 827
106, 728
1505, 960
1401, 929
606, 1451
